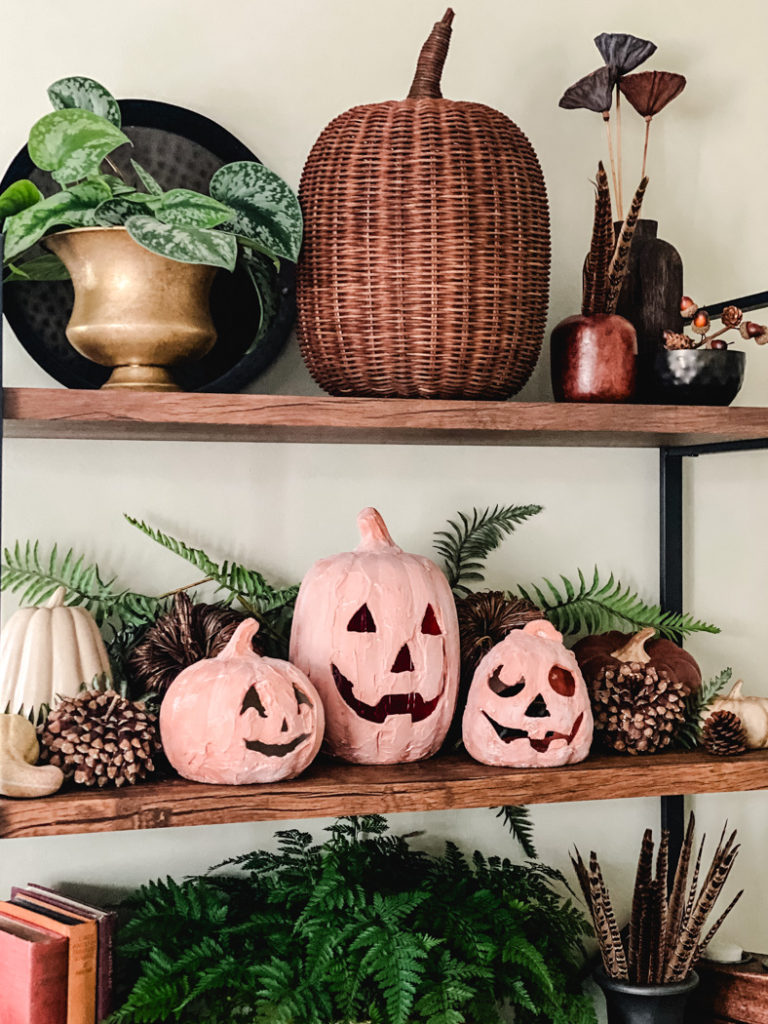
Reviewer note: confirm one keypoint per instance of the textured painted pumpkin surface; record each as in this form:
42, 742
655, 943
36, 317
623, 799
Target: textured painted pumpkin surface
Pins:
528, 705
240, 718
375, 630
48, 652
594, 653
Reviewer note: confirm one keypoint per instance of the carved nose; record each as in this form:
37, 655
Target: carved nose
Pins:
403, 662
537, 708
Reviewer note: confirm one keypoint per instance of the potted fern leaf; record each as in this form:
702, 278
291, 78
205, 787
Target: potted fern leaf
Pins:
359, 928
141, 257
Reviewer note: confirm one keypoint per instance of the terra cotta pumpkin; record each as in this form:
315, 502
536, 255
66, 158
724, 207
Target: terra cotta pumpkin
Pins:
528, 706
239, 718
375, 630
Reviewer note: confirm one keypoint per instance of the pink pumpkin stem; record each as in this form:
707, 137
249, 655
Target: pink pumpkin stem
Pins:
373, 531
241, 642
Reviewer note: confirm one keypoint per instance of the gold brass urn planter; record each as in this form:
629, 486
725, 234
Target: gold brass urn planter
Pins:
135, 311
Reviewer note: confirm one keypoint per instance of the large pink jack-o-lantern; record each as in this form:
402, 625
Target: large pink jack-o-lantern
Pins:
239, 718
528, 705
375, 630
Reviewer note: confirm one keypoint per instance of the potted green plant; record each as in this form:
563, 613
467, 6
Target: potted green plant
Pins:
359, 928
142, 258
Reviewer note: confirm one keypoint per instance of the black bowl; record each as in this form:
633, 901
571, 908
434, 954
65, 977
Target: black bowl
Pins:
693, 376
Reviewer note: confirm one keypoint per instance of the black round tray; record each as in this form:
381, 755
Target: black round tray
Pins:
181, 149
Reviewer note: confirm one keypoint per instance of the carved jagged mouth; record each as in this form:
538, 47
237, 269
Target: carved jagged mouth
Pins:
507, 734
276, 749
412, 704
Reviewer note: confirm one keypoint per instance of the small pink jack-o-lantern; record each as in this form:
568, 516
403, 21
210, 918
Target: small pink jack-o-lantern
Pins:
375, 630
239, 718
528, 705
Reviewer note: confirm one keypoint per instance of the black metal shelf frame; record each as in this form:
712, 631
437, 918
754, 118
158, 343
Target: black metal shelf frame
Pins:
671, 523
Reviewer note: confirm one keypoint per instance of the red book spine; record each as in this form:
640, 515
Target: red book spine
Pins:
33, 975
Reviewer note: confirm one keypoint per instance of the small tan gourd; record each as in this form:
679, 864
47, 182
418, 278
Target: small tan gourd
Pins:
753, 712
19, 750
48, 652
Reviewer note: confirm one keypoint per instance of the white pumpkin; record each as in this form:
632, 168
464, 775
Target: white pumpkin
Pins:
753, 712
48, 652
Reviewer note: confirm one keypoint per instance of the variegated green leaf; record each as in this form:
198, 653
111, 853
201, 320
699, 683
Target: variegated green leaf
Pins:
85, 94
42, 268
146, 179
264, 280
265, 207
17, 197
119, 208
117, 186
192, 209
70, 208
71, 144
187, 245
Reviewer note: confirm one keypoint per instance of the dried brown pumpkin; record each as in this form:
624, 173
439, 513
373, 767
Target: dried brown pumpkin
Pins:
607, 650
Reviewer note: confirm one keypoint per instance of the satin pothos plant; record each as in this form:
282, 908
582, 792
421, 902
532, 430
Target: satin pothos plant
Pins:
249, 210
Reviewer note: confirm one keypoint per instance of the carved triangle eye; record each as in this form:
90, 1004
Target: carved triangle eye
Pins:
361, 621
429, 623
301, 697
252, 700
562, 681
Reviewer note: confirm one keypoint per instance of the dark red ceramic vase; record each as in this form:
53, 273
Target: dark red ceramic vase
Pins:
594, 359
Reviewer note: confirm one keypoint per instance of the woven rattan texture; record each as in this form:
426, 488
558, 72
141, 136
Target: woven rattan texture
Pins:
425, 264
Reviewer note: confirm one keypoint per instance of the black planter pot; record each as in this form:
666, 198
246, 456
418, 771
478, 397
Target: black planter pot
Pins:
697, 376
645, 1004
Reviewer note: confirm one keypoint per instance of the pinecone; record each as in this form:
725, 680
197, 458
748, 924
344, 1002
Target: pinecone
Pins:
724, 734
485, 619
99, 737
675, 340
637, 708
186, 634
731, 316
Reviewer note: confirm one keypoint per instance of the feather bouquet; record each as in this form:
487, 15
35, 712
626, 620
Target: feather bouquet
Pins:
666, 933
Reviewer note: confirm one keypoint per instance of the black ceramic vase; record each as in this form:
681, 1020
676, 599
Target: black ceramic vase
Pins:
697, 376
645, 1004
650, 298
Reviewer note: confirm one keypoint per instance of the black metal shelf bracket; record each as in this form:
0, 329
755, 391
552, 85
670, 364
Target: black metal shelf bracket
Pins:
671, 522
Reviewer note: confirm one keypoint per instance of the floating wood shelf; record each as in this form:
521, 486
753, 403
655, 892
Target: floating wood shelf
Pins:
62, 413
329, 789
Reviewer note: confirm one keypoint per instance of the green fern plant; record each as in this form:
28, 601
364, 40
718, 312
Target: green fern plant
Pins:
688, 735
592, 607
35, 578
361, 927
273, 607
518, 821
597, 606
465, 545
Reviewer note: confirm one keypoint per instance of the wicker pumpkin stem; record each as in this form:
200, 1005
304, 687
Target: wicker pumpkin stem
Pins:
634, 649
429, 69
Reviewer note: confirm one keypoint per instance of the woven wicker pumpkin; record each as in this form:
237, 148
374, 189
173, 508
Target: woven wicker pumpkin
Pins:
425, 264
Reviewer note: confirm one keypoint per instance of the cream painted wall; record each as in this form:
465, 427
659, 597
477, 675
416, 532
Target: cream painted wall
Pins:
275, 74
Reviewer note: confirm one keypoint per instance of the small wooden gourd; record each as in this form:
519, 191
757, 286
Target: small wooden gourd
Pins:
20, 775
424, 269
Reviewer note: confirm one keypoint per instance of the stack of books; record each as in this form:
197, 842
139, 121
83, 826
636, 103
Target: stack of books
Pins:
56, 958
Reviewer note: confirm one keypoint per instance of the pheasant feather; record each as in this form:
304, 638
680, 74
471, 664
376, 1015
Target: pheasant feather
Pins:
595, 290
620, 261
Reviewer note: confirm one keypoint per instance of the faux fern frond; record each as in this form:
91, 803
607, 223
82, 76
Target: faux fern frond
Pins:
599, 606
272, 606
36, 578
689, 734
465, 545
518, 821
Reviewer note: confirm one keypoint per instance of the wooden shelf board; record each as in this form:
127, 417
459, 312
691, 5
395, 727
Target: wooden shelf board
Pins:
329, 789
62, 413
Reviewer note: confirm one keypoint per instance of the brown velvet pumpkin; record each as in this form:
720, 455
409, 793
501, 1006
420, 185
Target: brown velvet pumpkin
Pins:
595, 653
